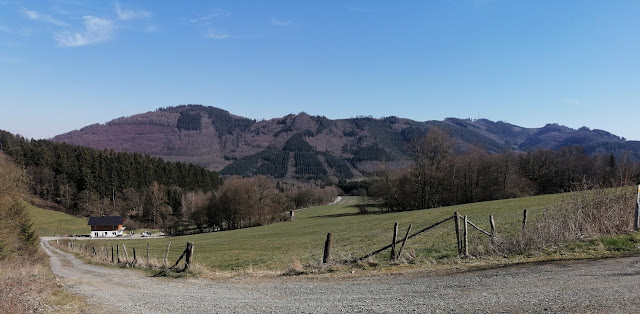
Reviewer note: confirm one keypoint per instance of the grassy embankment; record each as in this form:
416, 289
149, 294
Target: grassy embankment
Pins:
26, 282
274, 247
52, 223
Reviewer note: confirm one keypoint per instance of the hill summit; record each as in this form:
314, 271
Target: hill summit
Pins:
302, 146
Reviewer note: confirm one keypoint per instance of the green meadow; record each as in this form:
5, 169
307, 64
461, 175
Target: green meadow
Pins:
274, 246
49, 223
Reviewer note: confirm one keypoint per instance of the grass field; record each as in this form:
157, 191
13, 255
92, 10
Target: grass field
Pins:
273, 247
48, 222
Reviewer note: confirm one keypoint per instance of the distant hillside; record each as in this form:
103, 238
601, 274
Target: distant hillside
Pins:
301, 146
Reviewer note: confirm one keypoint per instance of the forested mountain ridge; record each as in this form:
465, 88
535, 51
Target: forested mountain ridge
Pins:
304, 146
86, 181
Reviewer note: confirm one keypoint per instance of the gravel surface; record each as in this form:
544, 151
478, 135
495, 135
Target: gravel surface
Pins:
608, 286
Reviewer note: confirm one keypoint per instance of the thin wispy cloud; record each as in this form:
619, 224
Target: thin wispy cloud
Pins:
96, 30
41, 17
204, 19
279, 22
126, 15
214, 34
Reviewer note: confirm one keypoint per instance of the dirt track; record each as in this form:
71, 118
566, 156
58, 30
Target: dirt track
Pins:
610, 285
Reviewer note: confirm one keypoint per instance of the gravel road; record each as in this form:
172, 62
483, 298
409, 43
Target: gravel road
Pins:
608, 286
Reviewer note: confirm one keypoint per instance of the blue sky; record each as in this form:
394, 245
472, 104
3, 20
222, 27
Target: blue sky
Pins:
65, 64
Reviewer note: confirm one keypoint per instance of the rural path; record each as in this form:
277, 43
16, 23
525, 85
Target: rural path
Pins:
608, 285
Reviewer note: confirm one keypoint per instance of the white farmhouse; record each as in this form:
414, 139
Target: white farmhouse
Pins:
106, 226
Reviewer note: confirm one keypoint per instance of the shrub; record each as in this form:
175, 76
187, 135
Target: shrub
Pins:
581, 215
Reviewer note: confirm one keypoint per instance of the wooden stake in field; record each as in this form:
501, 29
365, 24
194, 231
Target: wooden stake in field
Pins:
326, 258
135, 257
637, 218
189, 250
524, 219
466, 236
458, 242
112, 260
403, 242
411, 236
187, 253
393, 242
164, 262
147, 254
126, 254
493, 229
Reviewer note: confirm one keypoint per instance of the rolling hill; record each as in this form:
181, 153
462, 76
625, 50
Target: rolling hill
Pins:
301, 146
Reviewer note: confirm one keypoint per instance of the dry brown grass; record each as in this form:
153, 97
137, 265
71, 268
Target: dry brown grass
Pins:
26, 282
589, 213
28, 286
295, 268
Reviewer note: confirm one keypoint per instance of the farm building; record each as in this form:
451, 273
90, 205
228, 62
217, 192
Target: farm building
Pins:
106, 226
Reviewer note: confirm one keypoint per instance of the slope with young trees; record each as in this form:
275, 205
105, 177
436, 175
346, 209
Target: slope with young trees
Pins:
86, 181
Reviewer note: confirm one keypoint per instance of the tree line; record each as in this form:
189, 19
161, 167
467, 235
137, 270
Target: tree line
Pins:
245, 202
151, 192
441, 176
88, 182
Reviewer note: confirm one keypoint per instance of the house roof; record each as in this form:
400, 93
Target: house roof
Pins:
105, 220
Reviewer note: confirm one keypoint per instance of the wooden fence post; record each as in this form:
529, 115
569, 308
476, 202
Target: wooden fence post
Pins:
393, 243
458, 242
126, 254
148, 255
118, 253
112, 260
524, 218
164, 262
411, 236
636, 222
135, 257
493, 229
189, 251
326, 258
404, 241
466, 236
